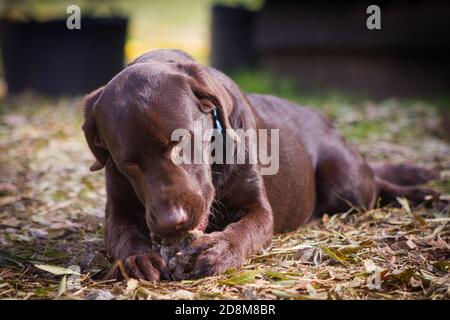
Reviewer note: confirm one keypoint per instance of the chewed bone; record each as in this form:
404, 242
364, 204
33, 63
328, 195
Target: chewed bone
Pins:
176, 254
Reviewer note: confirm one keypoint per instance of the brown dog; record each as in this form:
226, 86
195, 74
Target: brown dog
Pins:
128, 125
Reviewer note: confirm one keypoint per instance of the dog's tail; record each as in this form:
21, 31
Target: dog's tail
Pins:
401, 180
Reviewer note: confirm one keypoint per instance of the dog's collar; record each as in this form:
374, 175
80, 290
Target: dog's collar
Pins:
217, 124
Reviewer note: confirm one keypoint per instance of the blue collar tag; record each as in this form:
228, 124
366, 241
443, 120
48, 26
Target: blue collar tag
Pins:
217, 124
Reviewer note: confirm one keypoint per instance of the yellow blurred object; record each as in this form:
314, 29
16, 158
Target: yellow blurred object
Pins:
161, 24
198, 48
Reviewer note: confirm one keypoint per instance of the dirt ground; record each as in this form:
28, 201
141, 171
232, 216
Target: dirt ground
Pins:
51, 209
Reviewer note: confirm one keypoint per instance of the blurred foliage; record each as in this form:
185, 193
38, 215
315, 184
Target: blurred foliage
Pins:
249, 4
260, 81
360, 118
44, 10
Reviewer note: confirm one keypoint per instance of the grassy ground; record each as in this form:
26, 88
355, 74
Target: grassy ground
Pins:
51, 210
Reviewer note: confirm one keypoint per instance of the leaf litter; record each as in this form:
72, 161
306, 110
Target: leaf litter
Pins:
51, 228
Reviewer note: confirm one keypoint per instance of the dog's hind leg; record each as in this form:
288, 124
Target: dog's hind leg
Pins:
401, 180
343, 181
388, 192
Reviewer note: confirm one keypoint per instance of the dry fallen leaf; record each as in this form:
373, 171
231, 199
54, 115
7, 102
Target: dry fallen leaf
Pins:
56, 270
310, 255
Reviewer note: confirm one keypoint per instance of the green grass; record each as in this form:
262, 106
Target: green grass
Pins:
363, 131
332, 103
351, 111
259, 81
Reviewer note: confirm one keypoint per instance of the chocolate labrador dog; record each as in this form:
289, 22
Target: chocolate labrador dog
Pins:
128, 127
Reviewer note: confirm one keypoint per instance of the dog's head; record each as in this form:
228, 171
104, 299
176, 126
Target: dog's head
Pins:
131, 120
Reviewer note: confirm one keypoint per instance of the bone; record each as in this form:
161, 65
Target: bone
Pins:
177, 254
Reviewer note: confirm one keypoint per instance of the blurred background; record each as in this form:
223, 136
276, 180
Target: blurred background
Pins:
319, 45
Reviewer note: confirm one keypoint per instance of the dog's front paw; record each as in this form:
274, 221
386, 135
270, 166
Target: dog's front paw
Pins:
147, 266
214, 253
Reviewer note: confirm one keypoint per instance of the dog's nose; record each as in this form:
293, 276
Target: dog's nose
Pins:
171, 220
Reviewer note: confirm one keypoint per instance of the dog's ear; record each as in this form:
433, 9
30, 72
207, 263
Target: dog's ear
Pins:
90, 130
210, 93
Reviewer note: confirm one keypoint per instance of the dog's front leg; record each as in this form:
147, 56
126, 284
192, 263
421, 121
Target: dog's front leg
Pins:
217, 251
126, 234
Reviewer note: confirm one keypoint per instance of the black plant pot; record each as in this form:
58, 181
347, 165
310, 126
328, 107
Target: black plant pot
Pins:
49, 58
232, 41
